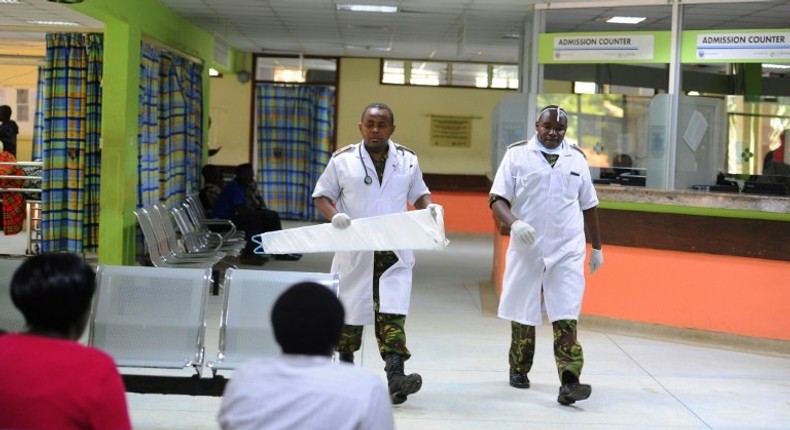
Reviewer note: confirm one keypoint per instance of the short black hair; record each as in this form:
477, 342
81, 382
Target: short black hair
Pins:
243, 168
307, 319
381, 106
53, 290
5, 111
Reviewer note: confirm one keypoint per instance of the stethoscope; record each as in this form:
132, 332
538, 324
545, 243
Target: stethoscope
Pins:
368, 179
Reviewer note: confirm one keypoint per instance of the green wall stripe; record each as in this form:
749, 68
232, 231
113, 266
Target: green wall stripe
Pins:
690, 210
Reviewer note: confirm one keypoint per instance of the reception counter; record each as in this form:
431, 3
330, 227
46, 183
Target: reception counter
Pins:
717, 262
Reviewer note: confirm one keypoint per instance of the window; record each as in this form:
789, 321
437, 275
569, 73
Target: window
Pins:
296, 70
449, 74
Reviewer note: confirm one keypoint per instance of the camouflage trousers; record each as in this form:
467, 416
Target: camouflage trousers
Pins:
568, 352
389, 328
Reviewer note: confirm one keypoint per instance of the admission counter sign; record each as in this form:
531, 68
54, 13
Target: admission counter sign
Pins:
757, 45
557, 48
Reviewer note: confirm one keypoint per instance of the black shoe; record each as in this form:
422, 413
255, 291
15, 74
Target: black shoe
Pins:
346, 357
518, 380
400, 384
572, 392
288, 257
408, 384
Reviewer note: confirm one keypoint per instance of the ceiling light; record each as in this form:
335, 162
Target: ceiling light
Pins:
367, 8
369, 47
65, 1
64, 23
9, 1
626, 19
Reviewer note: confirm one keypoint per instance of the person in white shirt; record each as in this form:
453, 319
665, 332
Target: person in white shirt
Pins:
544, 192
303, 388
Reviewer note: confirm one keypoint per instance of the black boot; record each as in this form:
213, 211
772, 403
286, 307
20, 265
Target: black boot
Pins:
571, 390
346, 357
400, 384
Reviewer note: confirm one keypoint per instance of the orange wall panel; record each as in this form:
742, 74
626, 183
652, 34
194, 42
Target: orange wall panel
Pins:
465, 212
725, 294
736, 295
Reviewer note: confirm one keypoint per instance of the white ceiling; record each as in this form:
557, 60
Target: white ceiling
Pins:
463, 30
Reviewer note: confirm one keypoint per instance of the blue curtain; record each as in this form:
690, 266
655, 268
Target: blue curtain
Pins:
148, 124
294, 136
69, 141
171, 136
38, 120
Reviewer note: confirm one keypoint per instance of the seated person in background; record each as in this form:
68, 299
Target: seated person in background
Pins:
241, 203
212, 186
8, 129
13, 203
302, 388
622, 164
775, 167
50, 381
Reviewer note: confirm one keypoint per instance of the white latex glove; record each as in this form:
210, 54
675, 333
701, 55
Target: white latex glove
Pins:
341, 221
523, 231
435, 209
596, 260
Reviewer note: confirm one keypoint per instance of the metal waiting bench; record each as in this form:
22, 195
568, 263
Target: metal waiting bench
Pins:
245, 325
11, 320
151, 317
32, 191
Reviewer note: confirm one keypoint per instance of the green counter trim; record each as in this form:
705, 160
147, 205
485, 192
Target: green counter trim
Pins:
690, 210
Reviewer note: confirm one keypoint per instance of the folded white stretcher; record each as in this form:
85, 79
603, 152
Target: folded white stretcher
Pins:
417, 229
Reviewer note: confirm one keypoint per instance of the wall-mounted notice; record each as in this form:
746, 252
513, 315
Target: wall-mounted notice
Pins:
604, 47
451, 131
734, 46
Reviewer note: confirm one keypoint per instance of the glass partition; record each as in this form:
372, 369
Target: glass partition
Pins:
611, 129
723, 144
758, 156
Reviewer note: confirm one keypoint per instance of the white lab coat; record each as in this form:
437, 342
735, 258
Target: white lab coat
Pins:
551, 200
343, 181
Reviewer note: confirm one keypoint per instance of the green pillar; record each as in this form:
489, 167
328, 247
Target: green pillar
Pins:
120, 95
752, 81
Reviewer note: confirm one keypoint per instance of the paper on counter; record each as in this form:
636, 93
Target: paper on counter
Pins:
416, 229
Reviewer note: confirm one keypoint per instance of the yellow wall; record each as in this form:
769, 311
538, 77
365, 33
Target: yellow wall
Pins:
230, 112
13, 77
359, 86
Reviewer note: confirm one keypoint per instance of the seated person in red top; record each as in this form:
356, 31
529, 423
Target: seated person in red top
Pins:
50, 381
13, 204
241, 203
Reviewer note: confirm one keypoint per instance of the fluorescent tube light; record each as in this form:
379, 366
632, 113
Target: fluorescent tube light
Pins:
626, 19
64, 23
367, 8
9, 1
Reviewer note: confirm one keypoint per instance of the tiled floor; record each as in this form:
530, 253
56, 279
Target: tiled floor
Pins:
639, 381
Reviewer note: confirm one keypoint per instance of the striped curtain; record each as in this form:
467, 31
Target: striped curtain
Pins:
38, 119
148, 123
70, 142
171, 136
294, 136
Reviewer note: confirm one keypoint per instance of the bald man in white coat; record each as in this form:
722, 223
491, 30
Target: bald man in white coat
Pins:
543, 190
